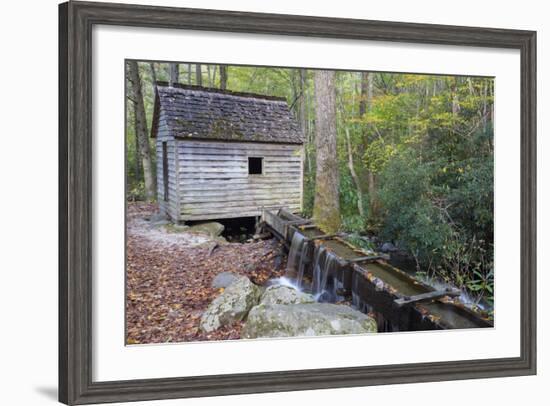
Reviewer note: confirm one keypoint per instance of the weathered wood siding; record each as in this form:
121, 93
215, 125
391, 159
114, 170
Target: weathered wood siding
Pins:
214, 182
170, 207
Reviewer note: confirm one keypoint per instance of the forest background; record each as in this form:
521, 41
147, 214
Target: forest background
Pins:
405, 158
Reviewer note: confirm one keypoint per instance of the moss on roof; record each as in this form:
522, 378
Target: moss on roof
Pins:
213, 114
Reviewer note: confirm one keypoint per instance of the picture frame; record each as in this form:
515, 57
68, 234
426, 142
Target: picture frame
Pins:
76, 20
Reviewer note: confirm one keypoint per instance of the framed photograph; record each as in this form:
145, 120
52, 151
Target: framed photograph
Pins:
259, 202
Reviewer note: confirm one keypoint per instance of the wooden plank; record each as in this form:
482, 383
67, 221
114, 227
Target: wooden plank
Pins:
216, 173
208, 169
189, 183
184, 165
368, 258
237, 158
294, 173
189, 176
236, 153
325, 236
243, 187
238, 204
238, 191
240, 187
436, 294
241, 212
237, 145
212, 194
193, 217
268, 168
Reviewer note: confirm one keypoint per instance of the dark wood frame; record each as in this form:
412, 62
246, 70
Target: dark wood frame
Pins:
75, 189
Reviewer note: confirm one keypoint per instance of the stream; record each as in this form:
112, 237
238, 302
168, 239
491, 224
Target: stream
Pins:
316, 268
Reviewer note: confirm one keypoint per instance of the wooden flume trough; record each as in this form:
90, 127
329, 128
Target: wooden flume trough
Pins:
398, 301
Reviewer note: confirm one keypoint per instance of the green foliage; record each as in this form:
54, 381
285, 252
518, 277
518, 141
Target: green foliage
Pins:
410, 217
361, 242
136, 191
442, 212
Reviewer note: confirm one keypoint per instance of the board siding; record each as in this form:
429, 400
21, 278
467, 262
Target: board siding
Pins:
171, 206
214, 183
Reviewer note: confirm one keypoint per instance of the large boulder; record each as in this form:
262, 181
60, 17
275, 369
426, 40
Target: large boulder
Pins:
279, 294
232, 305
211, 228
305, 320
224, 279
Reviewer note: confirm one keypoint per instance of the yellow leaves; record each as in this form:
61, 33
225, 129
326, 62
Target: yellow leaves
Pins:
221, 290
131, 341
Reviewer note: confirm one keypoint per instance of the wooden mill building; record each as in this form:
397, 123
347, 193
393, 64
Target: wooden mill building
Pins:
224, 154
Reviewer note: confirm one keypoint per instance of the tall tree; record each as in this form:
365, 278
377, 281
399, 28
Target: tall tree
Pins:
303, 115
154, 78
174, 74
140, 125
354, 176
198, 74
223, 77
326, 208
209, 76
365, 107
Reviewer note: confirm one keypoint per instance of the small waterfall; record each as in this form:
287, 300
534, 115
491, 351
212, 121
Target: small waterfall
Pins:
297, 255
357, 301
283, 281
294, 256
325, 282
318, 258
304, 253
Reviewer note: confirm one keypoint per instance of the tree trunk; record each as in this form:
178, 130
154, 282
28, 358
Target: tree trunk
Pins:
189, 79
303, 116
455, 108
365, 106
354, 176
484, 110
174, 74
326, 208
223, 77
141, 130
209, 75
137, 165
198, 74
364, 93
154, 77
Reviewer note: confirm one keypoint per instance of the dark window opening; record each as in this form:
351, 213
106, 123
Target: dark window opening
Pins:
165, 170
255, 166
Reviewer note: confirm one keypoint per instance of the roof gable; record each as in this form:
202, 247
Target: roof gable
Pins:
213, 114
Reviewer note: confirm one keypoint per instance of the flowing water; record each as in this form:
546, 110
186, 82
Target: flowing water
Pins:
297, 256
325, 282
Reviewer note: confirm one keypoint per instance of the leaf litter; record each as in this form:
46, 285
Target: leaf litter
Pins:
169, 276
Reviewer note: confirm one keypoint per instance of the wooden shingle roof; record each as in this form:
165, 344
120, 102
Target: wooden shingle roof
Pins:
203, 113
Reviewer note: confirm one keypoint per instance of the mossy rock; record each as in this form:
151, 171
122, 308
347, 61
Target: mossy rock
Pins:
317, 319
232, 305
210, 228
278, 294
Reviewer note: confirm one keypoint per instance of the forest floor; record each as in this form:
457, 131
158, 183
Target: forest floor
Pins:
169, 276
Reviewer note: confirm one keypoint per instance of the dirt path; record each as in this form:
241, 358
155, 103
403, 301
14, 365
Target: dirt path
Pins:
169, 276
